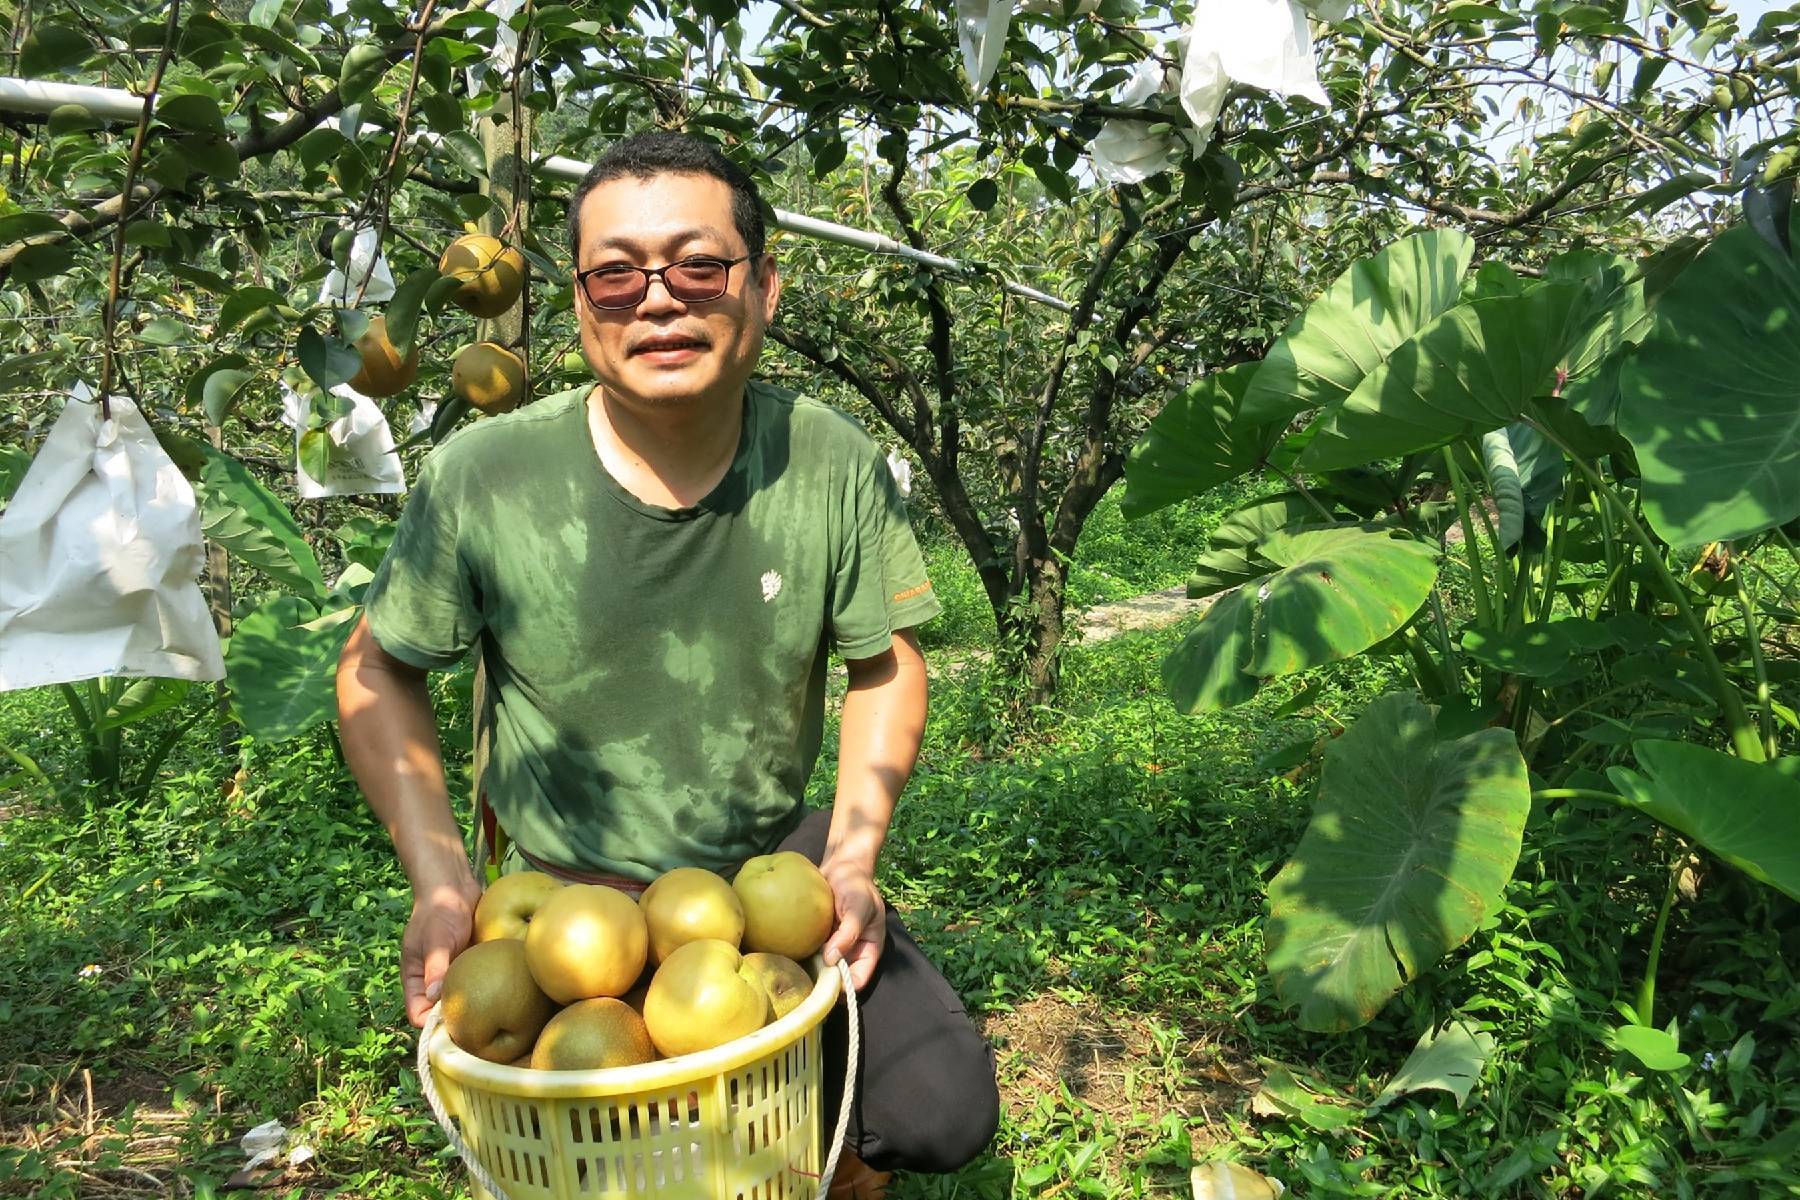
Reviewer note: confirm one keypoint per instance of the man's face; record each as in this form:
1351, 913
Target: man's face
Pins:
662, 351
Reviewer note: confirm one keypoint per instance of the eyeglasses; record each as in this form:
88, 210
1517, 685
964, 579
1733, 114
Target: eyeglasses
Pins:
691, 281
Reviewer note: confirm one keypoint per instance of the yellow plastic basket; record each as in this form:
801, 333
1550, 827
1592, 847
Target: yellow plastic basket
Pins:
738, 1122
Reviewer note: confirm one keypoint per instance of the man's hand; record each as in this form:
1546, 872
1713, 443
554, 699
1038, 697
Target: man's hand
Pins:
861, 921
442, 922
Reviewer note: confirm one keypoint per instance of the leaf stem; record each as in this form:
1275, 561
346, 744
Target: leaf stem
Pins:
1646, 997
1764, 698
1459, 487
1744, 737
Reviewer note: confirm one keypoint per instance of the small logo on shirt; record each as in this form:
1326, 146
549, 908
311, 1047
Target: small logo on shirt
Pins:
771, 585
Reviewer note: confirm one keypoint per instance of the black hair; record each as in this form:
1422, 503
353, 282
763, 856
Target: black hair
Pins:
659, 152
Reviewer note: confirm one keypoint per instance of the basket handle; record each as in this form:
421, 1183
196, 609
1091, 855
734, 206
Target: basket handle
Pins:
479, 1173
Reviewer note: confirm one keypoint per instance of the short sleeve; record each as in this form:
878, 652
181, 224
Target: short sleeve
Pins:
880, 584
424, 606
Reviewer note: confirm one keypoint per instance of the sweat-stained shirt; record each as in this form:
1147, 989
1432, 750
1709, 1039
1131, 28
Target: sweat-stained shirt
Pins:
658, 674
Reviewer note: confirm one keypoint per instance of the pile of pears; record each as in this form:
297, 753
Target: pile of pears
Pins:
575, 977
486, 374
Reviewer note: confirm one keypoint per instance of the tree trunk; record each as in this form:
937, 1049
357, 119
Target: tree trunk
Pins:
1031, 627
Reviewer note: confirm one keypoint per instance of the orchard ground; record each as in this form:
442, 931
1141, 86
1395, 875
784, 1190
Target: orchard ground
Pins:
178, 967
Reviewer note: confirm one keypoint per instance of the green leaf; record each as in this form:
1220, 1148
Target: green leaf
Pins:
1202, 674
40, 262
245, 303
1654, 200
1411, 843
221, 390
1336, 592
195, 114
1369, 311
1475, 368
141, 699
212, 153
53, 47
982, 194
1537, 650
363, 67
328, 360
281, 667
163, 331
403, 309
467, 151
1743, 812
18, 225
14, 462
1342, 591
1301, 1096
1194, 444
1258, 519
244, 517
1711, 400
1656, 1049
195, 388
315, 452
1448, 1058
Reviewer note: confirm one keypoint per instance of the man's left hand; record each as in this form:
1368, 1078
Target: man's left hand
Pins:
861, 921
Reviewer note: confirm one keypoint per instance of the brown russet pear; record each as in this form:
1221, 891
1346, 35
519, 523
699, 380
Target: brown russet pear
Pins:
700, 997
686, 904
593, 1034
492, 1006
383, 372
507, 906
492, 274
789, 909
489, 376
784, 980
586, 940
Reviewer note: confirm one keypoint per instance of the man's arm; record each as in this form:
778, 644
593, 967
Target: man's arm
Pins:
389, 733
878, 742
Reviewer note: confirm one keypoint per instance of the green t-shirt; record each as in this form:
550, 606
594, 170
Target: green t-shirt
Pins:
659, 674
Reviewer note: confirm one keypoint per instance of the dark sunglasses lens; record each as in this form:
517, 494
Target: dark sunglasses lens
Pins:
615, 289
696, 280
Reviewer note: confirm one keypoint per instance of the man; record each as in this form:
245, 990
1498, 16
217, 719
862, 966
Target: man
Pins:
655, 570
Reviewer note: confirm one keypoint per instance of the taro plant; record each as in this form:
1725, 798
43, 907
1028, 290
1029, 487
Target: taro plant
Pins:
1615, 445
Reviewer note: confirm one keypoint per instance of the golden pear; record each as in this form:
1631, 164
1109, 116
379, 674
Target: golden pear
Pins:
686, 904
492, 274
507, 906
592, 1034
784, 980
383, 371
489, 376
586, 940
700, 997
789, 909
492, 1007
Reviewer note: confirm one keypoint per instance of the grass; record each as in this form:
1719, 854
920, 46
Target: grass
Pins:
227, 953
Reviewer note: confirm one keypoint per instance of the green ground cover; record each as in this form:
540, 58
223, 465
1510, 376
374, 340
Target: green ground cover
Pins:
226, 952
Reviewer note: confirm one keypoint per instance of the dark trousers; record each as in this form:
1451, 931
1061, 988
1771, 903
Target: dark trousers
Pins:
925, 1093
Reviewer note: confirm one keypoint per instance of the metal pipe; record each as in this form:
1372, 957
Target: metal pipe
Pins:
38, 96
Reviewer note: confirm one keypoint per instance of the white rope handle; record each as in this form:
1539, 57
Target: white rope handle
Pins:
479, 1173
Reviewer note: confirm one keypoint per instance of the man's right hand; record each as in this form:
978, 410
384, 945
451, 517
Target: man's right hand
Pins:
442, 922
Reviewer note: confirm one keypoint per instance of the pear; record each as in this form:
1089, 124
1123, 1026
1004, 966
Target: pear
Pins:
492, 1007
383, 372
789, 909
701, 997
784, 981
507, 906
492, 274
592, 1034
686, 904
586, 940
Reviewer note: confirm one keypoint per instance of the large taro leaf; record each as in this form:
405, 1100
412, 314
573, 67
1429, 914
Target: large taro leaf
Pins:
1195, 444
1711, 399
1505, 485
1334, 593
1475, 368
244, 517
1746, 813
1369, 311
281, 666
1342, 591
1412, 840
